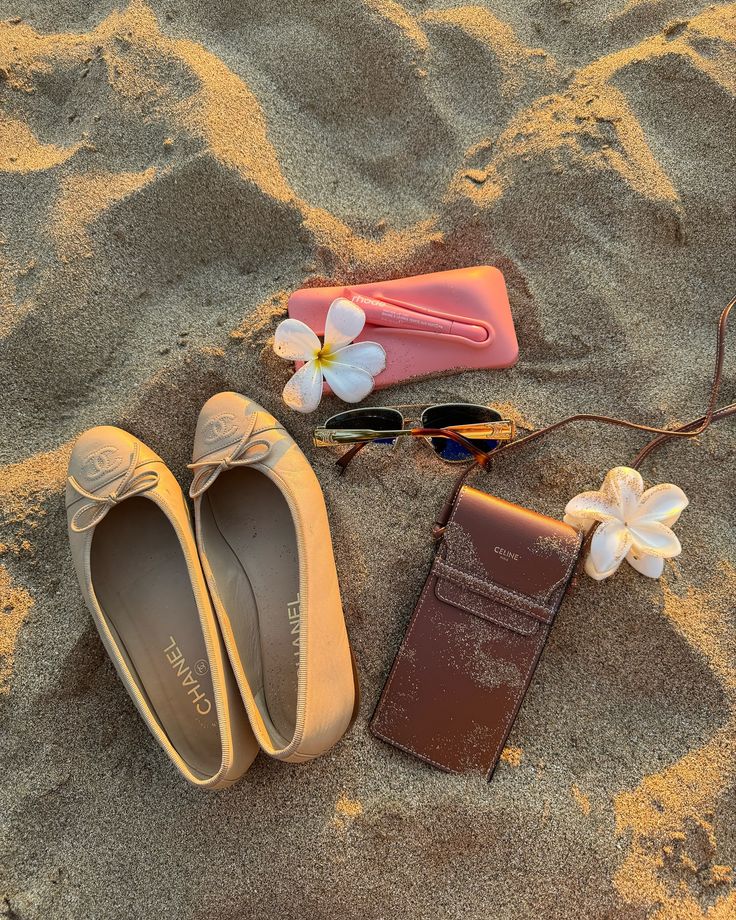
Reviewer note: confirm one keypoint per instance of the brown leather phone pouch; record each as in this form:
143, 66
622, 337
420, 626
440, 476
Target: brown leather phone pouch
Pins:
469, 653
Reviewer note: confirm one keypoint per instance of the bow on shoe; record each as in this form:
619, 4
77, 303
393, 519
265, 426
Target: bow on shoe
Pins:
207, 471
89, 515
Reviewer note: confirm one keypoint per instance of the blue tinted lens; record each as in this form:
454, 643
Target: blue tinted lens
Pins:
458, 414
453, 452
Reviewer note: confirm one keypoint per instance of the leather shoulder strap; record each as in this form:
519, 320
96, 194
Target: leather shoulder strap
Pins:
689, 430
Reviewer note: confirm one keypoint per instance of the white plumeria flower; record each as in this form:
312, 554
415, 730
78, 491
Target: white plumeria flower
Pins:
348, 368
633, 524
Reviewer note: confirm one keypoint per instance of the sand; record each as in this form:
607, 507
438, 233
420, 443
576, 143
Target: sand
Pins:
169, 172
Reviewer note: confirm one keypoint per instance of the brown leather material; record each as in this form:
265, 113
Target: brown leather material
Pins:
469, 653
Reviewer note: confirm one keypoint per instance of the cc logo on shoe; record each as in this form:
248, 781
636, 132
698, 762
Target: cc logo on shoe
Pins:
200, 667
102, 461
221, 426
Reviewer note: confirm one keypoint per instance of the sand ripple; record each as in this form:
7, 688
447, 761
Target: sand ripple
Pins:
168, 173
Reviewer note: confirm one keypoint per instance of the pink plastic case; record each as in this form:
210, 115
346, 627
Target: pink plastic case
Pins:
476, 295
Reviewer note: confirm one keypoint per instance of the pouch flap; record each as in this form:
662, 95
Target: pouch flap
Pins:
498, 555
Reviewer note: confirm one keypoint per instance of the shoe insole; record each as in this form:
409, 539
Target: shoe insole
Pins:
143, 587
250, 541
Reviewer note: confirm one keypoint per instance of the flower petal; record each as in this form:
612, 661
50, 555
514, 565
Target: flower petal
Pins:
304, 391
651, 566
591, 570
295, 341
663, 503
369, 356
578, 523
622, 488
654, 538
349, 383
345, 321
591, 506
609, 545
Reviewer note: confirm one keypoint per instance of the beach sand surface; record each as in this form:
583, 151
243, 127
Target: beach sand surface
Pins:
169, 171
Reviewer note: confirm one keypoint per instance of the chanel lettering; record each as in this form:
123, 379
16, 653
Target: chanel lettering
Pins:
293, 613
188, 680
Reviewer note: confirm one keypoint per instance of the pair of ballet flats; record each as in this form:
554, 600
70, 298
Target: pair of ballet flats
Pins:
228, 636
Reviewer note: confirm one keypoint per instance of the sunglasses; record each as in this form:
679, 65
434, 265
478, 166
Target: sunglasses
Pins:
456, 432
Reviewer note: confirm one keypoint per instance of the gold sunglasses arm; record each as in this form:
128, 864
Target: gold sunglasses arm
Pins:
496, 431
326, 437
505, 430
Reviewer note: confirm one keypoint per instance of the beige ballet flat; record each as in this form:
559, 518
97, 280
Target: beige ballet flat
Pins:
264, 541
136, 560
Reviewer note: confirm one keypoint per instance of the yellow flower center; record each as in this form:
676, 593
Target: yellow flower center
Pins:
324, 356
